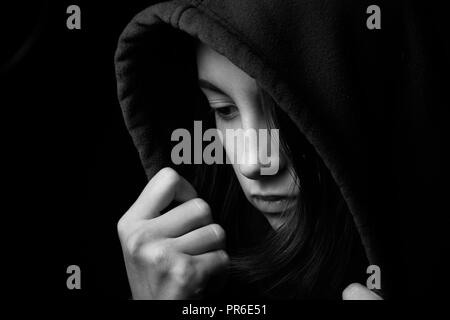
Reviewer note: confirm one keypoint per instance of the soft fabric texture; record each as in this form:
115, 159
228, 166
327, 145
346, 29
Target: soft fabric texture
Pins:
359, 96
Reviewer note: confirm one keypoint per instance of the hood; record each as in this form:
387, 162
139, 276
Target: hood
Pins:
341, 84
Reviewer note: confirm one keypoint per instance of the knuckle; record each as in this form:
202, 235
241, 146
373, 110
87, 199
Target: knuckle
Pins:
224, 256
169, 174
125, 225
121, 227
132, 245
148, 231
137, 238
204, 210
351, 291
217, 231
156, 255
183, 272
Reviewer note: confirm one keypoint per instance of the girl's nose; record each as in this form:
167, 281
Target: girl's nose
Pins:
250, 171
261, 157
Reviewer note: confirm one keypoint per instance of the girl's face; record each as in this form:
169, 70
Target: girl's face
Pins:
234, 97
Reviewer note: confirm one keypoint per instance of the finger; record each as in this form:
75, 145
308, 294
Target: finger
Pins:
210, 263
356, 291
188, 216
167, 185
202, 240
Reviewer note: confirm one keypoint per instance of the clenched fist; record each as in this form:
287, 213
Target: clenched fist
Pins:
170, 256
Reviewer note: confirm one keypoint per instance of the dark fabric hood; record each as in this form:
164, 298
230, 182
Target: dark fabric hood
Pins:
357, 95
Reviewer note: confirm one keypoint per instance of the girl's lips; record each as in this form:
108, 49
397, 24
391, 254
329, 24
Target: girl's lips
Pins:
269, 198
273, 203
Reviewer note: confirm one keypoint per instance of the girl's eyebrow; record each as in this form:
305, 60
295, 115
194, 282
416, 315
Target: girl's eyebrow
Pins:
205, 84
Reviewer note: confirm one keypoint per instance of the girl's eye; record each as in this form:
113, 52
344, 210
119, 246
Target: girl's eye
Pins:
226, 112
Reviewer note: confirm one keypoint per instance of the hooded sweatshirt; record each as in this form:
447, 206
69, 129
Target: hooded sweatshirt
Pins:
366, 99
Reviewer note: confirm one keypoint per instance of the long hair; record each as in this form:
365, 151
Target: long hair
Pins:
309, 255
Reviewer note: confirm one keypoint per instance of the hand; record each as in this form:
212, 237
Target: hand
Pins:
170, 256
356, 291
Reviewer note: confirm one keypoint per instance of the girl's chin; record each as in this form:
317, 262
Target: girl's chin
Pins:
275, 220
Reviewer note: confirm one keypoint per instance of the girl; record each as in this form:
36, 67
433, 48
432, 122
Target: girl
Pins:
218, 231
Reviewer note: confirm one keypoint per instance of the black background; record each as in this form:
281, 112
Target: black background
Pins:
71, 170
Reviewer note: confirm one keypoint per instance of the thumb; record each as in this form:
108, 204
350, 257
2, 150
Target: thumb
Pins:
356, 291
